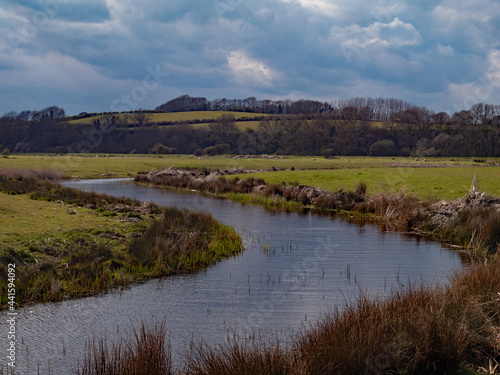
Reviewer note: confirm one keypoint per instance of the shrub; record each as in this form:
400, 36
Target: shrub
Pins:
160, 149
144, 352
385, 147
327, 152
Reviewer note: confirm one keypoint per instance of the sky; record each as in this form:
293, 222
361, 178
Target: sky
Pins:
117, 55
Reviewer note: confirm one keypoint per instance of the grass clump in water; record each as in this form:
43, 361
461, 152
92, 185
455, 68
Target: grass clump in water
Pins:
145, 351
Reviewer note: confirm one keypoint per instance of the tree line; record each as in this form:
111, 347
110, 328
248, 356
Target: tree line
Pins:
349, 128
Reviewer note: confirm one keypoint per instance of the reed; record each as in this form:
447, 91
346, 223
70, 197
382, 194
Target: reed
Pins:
236, 358
145, 351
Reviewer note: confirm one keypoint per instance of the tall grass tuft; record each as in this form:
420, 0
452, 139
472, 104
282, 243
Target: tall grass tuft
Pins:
183, 240
239, 359
144, 352
477, 227
399, 210
408, 333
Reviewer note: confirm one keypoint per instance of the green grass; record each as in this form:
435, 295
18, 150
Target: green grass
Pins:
177, 116
22, 218
439, 178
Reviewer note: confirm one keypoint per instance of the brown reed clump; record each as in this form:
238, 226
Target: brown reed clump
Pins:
475, 227
239, 359
144, 352
409, 333
399, 209
273, 189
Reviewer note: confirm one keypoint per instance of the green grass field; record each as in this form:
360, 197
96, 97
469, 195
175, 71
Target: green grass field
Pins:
23, 218
178, 116
437, 178
426, 183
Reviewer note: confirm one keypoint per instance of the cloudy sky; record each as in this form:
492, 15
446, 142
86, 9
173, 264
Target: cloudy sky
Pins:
103, 55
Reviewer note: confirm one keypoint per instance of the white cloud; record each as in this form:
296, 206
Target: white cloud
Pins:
249, 70
319, 6
393, 34
483, 89
493, 74
450, 13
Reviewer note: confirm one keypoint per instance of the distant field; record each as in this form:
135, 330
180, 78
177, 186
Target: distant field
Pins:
439, 178
178, 116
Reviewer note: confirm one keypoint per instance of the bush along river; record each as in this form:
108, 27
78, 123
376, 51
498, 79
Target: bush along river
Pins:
295, 268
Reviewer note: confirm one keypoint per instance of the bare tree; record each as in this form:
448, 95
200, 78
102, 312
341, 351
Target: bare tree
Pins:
224, 129
140, 117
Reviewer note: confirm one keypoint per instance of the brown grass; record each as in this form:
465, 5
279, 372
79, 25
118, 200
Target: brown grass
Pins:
477, 227
239, 359
408, 333
398, 210
144, 352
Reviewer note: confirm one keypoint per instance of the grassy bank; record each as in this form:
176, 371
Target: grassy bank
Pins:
68, 243
422, 330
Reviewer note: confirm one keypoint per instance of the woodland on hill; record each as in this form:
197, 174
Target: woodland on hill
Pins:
358, 126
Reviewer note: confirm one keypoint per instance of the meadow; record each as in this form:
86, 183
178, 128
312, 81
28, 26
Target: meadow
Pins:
435, 178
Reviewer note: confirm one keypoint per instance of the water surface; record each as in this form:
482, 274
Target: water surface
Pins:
295, 269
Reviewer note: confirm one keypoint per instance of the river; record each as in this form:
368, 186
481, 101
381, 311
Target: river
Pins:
296, 267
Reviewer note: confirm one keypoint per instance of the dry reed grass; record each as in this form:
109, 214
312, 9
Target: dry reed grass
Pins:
144, 352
